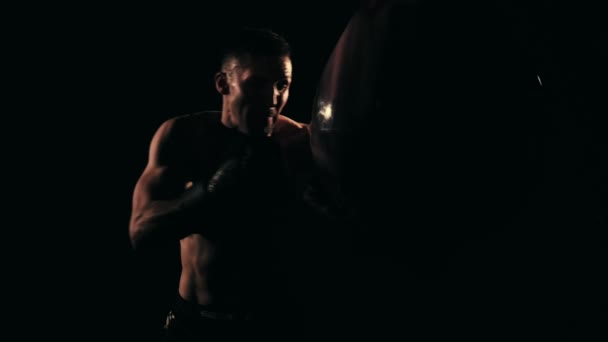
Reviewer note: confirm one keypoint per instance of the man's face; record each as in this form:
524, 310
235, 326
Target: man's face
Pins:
258, 89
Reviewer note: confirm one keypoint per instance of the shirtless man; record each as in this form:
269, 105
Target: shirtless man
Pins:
223, 183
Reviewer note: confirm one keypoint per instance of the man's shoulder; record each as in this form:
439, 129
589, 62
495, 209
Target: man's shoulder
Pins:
191, 136
289, 122
192, 124
188, 129
197, 119
291, 130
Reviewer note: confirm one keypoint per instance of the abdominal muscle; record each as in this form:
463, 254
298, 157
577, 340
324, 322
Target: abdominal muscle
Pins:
196, 254
213, 276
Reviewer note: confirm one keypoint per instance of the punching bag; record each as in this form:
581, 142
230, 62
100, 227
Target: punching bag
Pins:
427, 134
426, 122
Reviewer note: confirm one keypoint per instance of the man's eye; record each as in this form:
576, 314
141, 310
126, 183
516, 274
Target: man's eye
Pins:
282, 85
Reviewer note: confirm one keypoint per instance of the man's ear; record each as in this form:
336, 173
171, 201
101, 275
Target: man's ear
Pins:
221, 83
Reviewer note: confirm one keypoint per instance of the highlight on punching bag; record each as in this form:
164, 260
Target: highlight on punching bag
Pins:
427, 110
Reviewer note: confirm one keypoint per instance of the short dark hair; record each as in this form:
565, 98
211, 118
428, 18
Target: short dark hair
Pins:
253, 41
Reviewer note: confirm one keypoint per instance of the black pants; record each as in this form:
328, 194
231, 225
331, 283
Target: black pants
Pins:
191, 322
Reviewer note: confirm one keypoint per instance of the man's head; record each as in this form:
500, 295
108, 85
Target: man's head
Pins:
254, 79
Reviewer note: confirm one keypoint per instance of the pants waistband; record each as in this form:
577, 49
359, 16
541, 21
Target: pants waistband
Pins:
192, 310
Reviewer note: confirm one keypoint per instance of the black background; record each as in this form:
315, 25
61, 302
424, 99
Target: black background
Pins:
105, 76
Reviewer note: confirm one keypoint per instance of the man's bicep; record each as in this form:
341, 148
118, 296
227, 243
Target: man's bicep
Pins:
160, 183
164, 177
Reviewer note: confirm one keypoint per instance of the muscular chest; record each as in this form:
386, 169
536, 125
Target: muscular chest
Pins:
257, 167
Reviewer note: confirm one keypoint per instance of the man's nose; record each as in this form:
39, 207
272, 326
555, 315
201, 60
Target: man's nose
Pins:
271, 96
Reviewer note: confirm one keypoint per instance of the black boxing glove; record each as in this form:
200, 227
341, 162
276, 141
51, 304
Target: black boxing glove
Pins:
249, 169
243, 187
225, 182
208, 204
226, 178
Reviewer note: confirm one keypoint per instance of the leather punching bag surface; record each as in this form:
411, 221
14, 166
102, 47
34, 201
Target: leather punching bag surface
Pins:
427, 133
426, 115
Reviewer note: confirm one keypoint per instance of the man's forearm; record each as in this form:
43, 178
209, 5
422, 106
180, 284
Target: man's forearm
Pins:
161, 222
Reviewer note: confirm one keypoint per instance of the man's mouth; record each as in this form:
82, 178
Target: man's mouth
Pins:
263, 120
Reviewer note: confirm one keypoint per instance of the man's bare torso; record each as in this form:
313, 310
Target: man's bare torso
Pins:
230, 271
